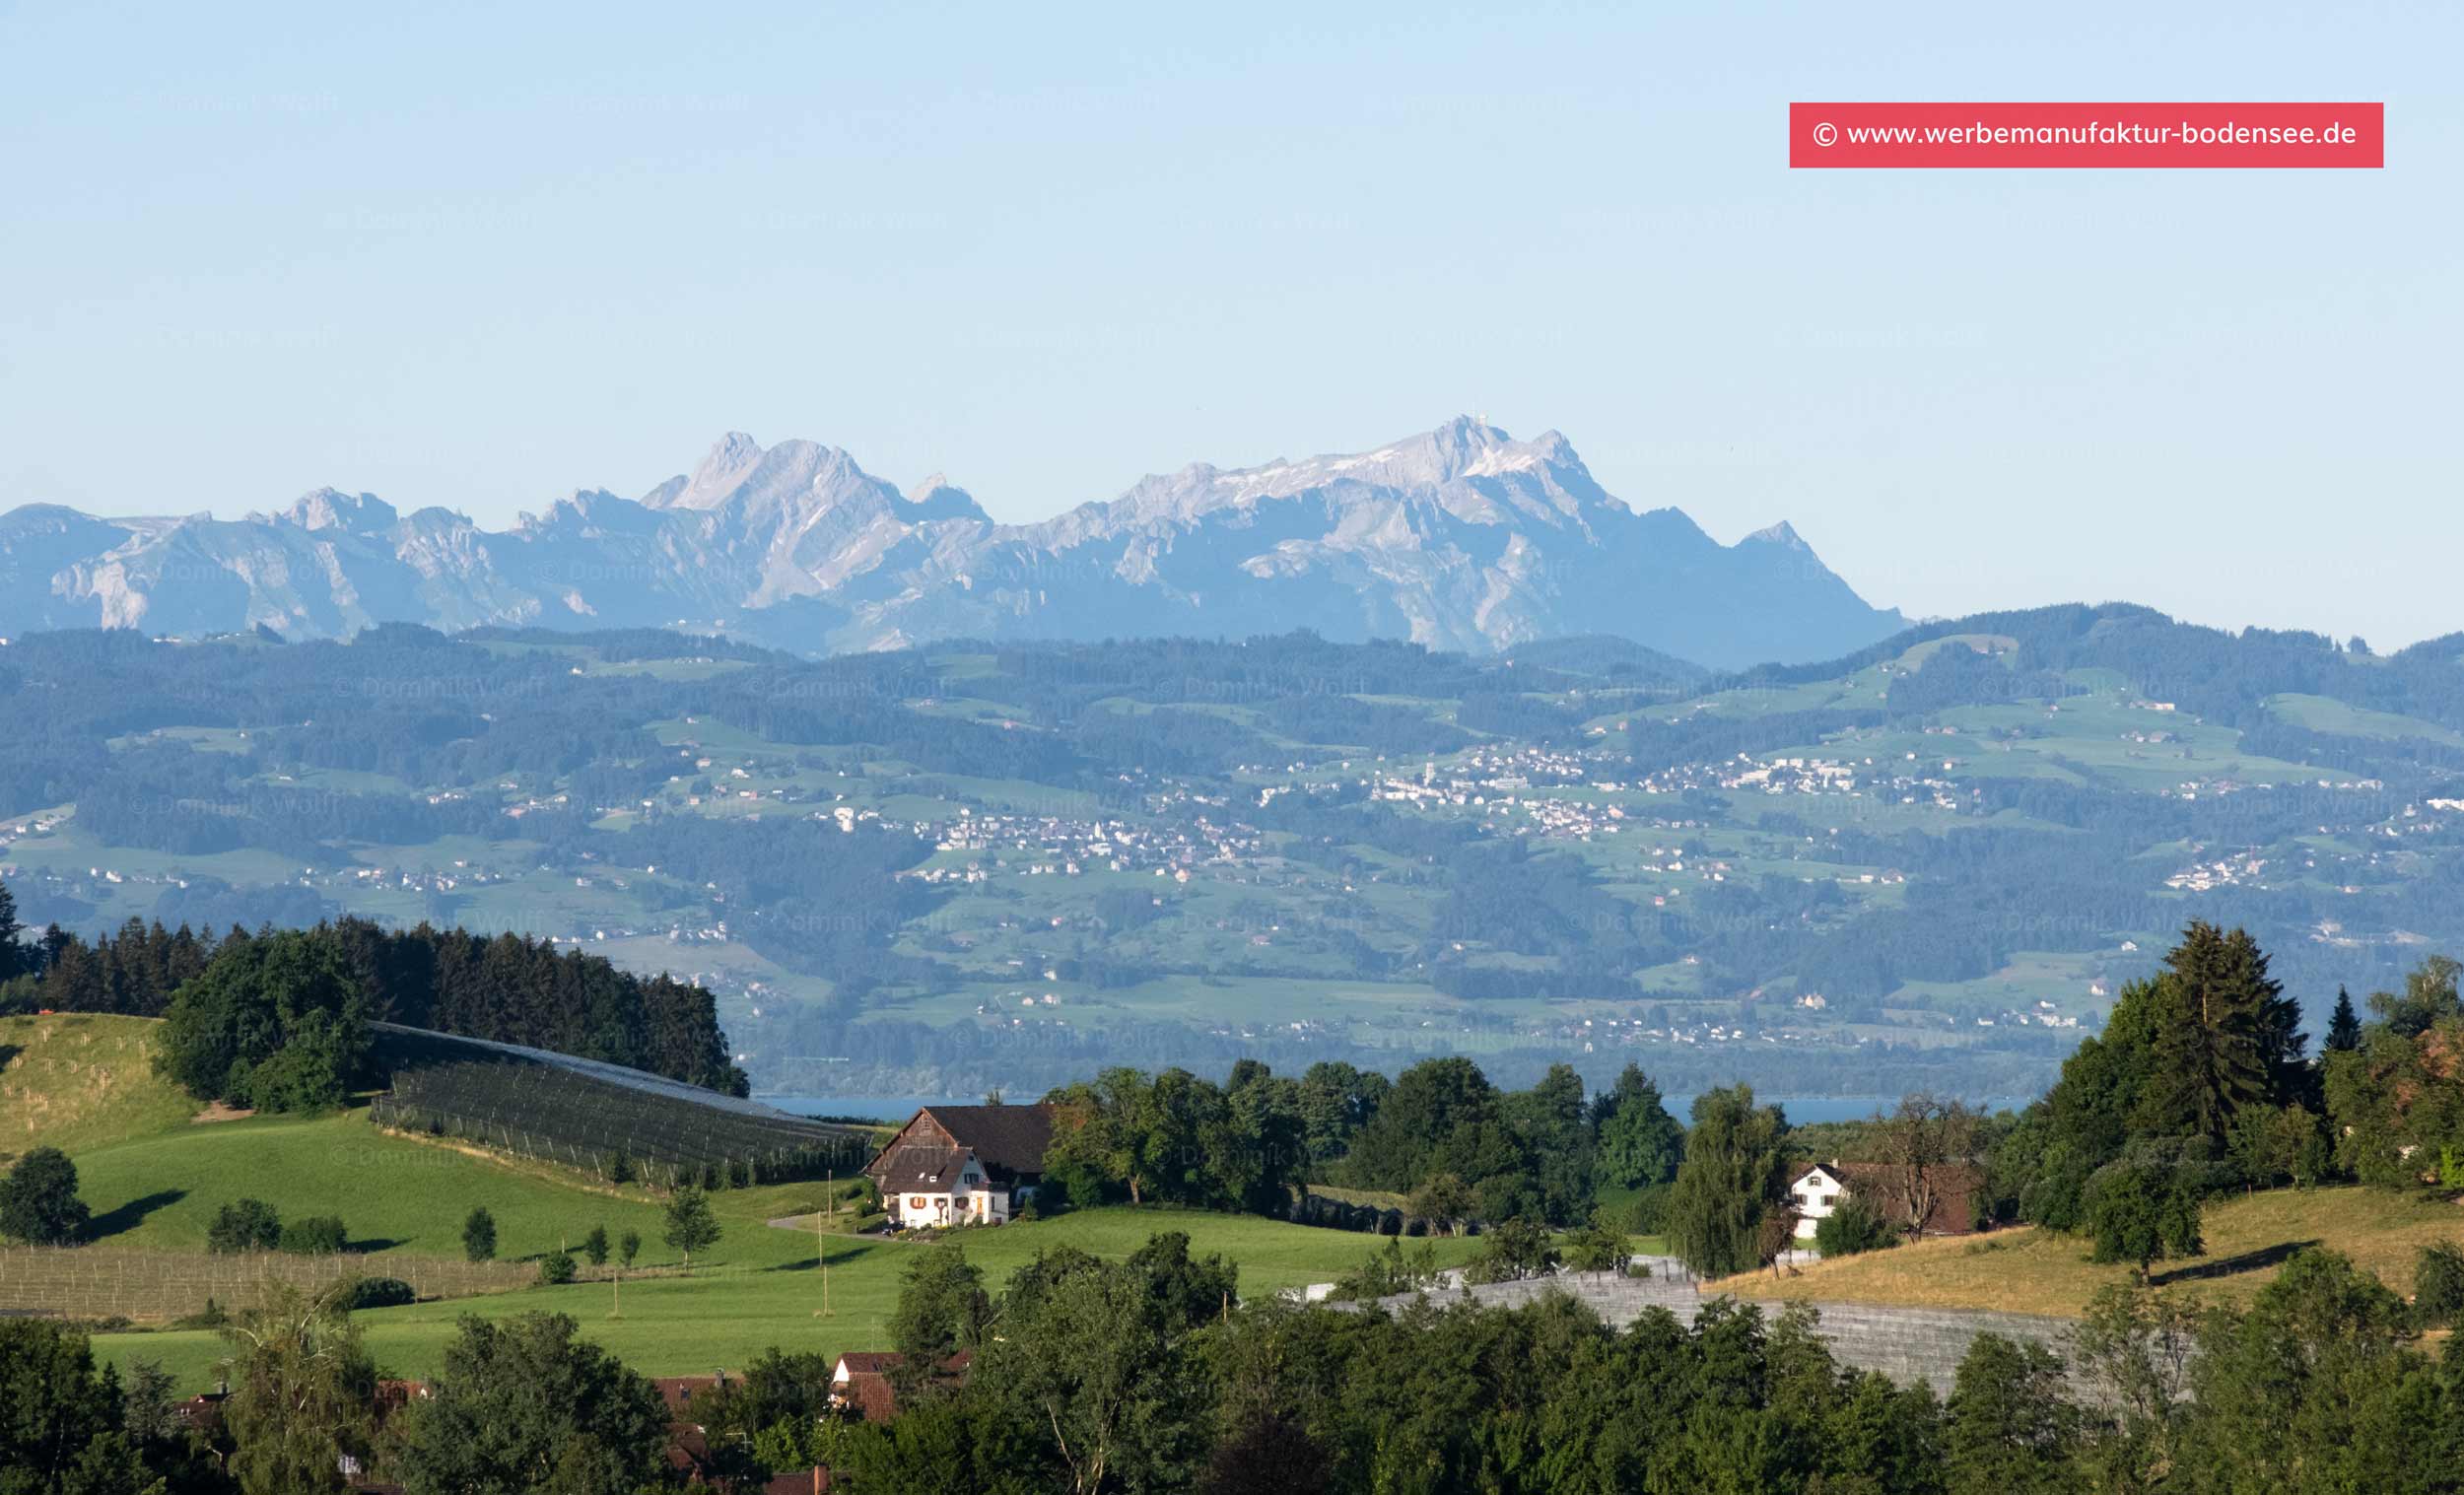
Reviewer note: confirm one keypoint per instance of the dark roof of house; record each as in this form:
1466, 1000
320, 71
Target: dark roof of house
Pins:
1009, 1141
870, 1394
1011, 1138
914, 1164
870, 1362
868, 1389
676, 1390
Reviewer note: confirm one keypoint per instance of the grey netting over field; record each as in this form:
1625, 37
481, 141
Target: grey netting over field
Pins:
614, 1121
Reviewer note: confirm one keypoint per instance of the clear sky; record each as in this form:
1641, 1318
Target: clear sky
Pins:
480, 256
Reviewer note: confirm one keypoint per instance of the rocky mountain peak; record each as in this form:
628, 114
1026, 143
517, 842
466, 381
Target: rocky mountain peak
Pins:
1783, 534
1457, 537
349, 512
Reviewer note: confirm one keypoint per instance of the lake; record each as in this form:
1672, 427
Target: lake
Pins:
1801, 1110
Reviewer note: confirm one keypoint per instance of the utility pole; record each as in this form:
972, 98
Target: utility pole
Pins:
821, 1240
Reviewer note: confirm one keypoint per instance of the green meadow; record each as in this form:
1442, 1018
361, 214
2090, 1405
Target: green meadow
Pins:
153, 1179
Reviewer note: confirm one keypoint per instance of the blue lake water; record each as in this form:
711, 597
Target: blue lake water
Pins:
1801, 1110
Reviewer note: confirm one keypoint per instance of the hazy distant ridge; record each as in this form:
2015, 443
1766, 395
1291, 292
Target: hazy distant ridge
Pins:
1460, 537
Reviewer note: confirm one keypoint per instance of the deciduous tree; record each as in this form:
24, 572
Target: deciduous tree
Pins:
39, 1201
691, 1226
1733, 1177
526, 1406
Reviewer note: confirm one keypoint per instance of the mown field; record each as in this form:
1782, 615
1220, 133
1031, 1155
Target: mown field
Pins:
2040, 1271
763, 1287
154, 1177
77, 1082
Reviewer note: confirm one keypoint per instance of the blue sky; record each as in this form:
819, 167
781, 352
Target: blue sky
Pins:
480, 256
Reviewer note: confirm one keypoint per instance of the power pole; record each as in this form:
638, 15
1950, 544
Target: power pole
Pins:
821, 1240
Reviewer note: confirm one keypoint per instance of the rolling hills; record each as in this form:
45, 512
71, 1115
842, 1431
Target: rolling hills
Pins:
156, 1179
1928, 863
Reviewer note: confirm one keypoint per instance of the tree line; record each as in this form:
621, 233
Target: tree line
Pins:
1440, 1132
303, 998
1152, 1374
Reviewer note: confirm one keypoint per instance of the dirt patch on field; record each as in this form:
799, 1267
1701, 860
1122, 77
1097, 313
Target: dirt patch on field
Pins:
218, 1112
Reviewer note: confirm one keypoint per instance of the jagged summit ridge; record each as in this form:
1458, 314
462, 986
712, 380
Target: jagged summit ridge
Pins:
1457, 537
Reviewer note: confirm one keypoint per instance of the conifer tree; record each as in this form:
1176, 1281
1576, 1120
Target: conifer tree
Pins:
2226, 1035
2343, 1028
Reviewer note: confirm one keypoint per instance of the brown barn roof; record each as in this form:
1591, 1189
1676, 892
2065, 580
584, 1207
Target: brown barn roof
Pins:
870, 1362
676, 1390
868, 1389
1011, 1138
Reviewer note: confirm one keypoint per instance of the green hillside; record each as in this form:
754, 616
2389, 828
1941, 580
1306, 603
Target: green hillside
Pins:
1929, 865
404, 1200
153, 1196
78, 1082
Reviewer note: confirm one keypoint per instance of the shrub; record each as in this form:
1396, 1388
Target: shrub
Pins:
594, 1246
1512, 1250
1853, 1226
2138, 1211
247, 1225
1599, 1247
556, 1268
479, 1236
376, 1291
315, 1235
2439, 1285
1441, 1199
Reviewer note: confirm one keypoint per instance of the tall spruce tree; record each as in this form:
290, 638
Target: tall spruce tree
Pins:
15, 959
2344, 1027
2226, 1035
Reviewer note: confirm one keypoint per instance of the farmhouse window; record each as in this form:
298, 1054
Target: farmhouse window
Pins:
916, 1202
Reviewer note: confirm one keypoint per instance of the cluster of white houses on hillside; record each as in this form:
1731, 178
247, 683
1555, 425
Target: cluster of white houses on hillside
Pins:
961, 1165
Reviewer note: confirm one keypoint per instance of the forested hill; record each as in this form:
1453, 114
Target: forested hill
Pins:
506, 989
932, 870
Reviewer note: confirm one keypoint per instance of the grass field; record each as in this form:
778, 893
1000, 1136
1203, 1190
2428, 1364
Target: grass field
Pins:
404, 1200
78, 1082
766, 1290
2040, 1271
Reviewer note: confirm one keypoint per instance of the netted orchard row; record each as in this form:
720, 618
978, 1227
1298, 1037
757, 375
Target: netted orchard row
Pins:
622, 1136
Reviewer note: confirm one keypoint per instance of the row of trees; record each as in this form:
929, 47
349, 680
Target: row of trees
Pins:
1090, 1376
1440, 1130
1150, 1374
503, 988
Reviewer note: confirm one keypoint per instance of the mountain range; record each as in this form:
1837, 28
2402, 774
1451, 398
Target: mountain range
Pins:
1459, 538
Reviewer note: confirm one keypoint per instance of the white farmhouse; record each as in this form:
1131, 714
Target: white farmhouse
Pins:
961, 1165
